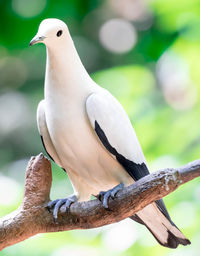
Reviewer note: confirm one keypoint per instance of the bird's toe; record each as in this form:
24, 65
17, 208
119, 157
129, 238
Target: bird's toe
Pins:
58, 203
51, 204
104, 196
101, 195
56, 208
69, 201
115, 190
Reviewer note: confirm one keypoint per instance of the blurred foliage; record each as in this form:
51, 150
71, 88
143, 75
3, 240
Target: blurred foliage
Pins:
148, 57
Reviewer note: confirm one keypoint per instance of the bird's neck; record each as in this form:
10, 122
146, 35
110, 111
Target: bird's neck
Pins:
65, 71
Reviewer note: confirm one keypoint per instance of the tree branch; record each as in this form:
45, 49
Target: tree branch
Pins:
32, 217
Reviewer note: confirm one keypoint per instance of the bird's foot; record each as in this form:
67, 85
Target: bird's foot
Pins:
56, 205
105, 195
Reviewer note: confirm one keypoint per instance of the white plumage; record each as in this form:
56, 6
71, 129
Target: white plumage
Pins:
66, 118
110, 115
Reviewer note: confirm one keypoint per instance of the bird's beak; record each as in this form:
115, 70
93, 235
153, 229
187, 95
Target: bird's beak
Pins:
37, 39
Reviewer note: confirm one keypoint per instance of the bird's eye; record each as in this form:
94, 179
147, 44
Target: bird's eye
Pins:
59, 33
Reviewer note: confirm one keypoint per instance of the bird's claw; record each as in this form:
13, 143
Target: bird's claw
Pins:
56, 205
105, 195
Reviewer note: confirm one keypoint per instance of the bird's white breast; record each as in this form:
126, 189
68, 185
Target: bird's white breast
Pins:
83, 156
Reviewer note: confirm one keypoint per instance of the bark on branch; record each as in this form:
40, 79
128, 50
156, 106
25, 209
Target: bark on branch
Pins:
32, 217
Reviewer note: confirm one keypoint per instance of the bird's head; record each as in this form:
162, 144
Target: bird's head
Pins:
51, 31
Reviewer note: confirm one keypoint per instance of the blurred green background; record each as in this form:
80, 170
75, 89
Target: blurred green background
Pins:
147, 54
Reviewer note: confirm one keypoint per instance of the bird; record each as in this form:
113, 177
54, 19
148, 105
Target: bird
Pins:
86, 131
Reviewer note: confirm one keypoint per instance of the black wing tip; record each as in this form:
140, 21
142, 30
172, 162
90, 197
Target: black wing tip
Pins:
174, 241
136, 171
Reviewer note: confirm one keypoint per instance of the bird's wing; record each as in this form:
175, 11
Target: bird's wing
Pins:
45, 137
114, 129
112, 125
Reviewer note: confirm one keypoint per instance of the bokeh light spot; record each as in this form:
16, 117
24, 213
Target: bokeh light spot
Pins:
185, 217
176, 85
27, 8
13, 72
119, 237
75, 251
14, 112
135, 10
163, 161
118, 35
9, 187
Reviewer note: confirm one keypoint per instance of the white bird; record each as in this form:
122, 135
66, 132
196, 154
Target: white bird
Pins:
86, 131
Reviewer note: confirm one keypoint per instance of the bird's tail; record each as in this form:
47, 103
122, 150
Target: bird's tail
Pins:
162, 228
